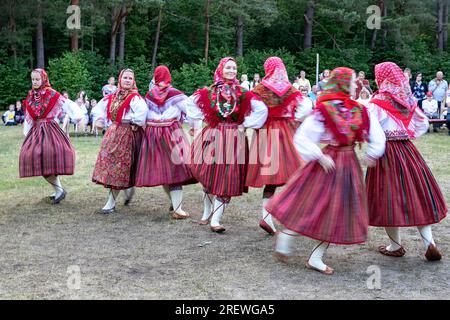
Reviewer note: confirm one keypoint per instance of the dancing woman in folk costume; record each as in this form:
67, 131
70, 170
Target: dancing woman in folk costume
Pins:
220, 151
326, 199
46, 150
165, 149
402, 191
273, 157
117, 160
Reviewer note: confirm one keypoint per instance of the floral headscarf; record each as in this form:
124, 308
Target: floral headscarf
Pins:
276, 78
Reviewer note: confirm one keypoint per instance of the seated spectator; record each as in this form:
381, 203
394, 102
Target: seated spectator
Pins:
430, 108
98, 123
20, 115
9, 116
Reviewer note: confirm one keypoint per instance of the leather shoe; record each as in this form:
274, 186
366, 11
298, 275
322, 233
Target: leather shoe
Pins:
265, 226
218, 229
108, 211
60, 198
177, 216
433, 253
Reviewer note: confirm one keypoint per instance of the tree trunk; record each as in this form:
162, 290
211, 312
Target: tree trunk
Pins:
12, 26
445, 26
309, 16
373, 42
39, 38
207, 25
385, 29
122, 38
112, 40
440, 15
240, 36
158, 31
74, 37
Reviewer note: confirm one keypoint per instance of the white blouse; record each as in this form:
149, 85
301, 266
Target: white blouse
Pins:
66, 105
136, 115
173, 108
395, 129
304, 108
313, 131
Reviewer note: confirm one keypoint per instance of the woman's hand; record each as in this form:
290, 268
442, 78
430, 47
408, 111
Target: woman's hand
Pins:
327, 163
368, 161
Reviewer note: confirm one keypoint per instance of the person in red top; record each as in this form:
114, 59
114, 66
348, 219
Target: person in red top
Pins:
273, 158
326, 199
402, 191
165, 149
361, 83
46, 150
220, 149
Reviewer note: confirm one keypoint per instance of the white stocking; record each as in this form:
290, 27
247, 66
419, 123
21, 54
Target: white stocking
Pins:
315, 259
219, 207
267, 217
111, 203
284, 240
394, 237
427, 235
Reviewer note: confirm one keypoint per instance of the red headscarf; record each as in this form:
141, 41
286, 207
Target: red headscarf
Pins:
124, 96
394, 92
276, 78
348, 120
40, 102
160, 88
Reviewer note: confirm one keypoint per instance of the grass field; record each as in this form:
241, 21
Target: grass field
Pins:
139, 253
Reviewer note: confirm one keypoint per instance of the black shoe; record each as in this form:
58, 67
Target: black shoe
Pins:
129, 197
59, 199
108, 211
171, 208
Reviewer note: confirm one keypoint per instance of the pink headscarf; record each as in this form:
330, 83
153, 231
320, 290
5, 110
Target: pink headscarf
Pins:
394, 94
225, 87
218, 74
276, 78
392, 83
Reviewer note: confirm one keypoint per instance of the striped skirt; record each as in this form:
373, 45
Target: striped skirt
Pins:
219, 159
401, 189
329, 207
163, 156
116, 163
46, 151
273, 157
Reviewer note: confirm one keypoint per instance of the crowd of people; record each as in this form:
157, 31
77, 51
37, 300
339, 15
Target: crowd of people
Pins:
324, 196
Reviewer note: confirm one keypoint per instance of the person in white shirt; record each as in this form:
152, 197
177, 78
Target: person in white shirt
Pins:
401, 189
244, 82
364, 97
46, 151
302, 81
9, 116
116, 163
430, 108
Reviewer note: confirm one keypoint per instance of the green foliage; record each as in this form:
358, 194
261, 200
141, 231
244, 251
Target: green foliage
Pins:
15, 81
69, 73
191, 77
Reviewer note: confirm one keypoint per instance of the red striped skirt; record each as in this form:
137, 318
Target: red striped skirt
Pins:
329, 207
46, 151
401, 189
273, 157
219, 158
164, 155
116, 163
